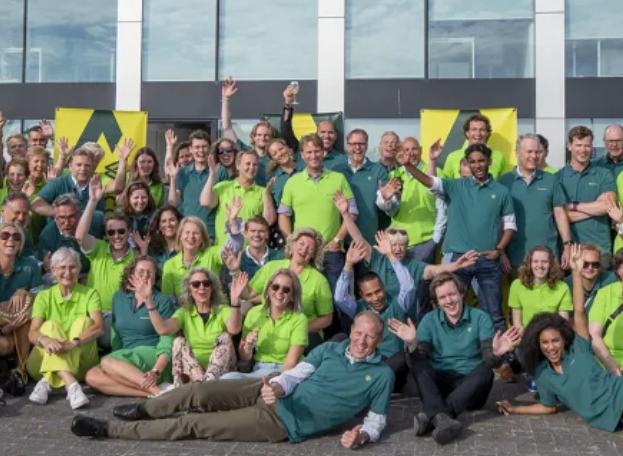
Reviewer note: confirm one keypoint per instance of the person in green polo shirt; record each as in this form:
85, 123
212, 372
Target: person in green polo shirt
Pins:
162, 235
539, 202
564, 365
588, 188
38, 159
452, 355
274, 334
145, 168
141, 358
543, 153
613, 159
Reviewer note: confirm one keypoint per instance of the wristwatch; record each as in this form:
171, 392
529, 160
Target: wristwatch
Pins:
337, 240
574, 205
567, 242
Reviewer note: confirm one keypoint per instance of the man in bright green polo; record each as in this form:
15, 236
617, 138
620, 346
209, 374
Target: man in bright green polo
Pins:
477, 130
590, 190
539, 203
613, 159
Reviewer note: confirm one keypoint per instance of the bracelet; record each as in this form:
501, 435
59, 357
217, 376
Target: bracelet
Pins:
235, 307
152, 309
156, 371
38, 341
225, 99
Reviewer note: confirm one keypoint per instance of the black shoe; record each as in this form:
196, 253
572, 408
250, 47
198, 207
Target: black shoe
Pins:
86, 426
130, 412
422, 424
446, 429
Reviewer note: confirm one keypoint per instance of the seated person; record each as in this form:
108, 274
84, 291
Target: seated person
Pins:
16, 209
316, 396
452, 355
205, 350
141, 359
274, 334
374, 298
66, 321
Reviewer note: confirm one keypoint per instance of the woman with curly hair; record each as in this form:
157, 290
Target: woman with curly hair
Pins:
205, 350
564, 365
161, 239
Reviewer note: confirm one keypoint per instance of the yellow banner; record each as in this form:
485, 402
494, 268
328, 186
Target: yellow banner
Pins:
448, 125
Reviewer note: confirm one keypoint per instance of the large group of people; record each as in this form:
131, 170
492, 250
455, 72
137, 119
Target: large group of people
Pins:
290, 286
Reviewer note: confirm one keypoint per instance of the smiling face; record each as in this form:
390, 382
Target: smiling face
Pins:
613, 139
66, 273
312, 155
199, 149
280, 292
16, 211
67, 218
145, 165
592, 262
144, 271
38, 165
357, 147
226, 153
373, 293
168, 224
16, 147
450, 300
256, 235
247, 167
412, 149
304, 249
279, 153
477, 132
139, 199
552, 345
528, 155
388, 146
479, 164
117, 232
190, 236
201, 293
581, 150
261, 137
16, 177
365, 335
540, 265
81, 168
327, 133
184, 157
10, 241
36, 138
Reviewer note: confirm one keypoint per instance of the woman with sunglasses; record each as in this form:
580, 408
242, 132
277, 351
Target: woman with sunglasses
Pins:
145, 168
161, 240
205, 351
274, 334
141, 359
224, 150
139, 206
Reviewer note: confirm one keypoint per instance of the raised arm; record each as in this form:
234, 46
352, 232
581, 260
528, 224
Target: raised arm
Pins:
85, 240
228, 90
269, 213
170, 139
64, 152
424, 179
172, 171
208, 198
349, 222
407, 285
464, 261
287, 132
343, 299
234, 322
124, 152
580, 324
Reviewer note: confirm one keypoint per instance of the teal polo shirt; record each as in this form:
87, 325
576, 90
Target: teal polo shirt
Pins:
391, 344
475, 214
63, 185
281, 177
534, 205
161, 257
606, 162
334, 158
365, 183
456, 348
584, 387
26, 276
586, 187
190, 183
603, 279
336, 392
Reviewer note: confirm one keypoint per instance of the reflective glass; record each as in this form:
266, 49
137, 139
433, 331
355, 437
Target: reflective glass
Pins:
11, 40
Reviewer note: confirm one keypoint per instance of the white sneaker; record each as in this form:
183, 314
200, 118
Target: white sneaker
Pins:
165, 387
41, 392
76, 396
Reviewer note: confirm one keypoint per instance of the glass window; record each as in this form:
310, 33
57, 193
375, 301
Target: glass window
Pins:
179, 43
11, 40
385, 39
376, 127
484, 39
271, 39
71, 41
597, 125
594, 45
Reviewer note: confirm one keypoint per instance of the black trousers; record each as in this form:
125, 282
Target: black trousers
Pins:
451, 393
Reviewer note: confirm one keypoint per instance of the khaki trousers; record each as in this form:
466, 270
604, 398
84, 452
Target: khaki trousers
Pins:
242, 414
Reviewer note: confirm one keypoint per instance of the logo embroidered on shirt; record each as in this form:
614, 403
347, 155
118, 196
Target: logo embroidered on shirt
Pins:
369, 178
368, 378
492, 196
542, 189
469, 329
594, 184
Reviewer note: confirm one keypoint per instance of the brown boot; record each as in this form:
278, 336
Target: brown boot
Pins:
506, 374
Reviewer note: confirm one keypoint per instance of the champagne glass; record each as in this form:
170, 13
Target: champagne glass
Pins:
295, 90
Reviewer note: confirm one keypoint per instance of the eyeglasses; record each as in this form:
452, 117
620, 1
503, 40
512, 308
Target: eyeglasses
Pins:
120, 231
225, 150
5, 236
276, 287
357, 144
64, 218
592, 264
197, 283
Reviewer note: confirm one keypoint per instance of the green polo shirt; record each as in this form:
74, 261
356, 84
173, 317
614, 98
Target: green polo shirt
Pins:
541, 298
417, 212
49, 305
174, 270
263, 175
190, 183
63, 185
308, 198
534, 205
391, 344
281, 177
452, 166
456, 348
584, 387
336, 392
202, 336
275, 337
586, 187
605, 161
603, 279
106, 272
618, 242
334, 159
608, 299
475, 214
252, 204
157, 192
365, 184
317, 298
37, 222
550, 170
26, 275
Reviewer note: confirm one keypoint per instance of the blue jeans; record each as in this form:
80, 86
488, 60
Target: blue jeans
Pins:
259, 370
424, 252
489, 277
332, 268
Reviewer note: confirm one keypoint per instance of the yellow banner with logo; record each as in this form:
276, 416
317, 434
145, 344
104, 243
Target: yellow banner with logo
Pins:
447, 124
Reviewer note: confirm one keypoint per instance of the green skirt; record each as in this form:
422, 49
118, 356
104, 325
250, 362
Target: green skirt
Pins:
143, 358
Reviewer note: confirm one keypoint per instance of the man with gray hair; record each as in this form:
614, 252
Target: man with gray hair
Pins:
613, 159
16, 208
539, 202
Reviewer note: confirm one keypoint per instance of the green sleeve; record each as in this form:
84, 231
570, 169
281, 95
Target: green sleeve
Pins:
346, 190
224, 313
180, 316
40, 306
166, 308
220, 188
513, 295
424, 333
450, 166
115, 340
547, 397
94, 302
287, 199
168, 279
485, 327
599, 311
558, 197
299, 335
383, 177
165, 346
607, 182
382, 393
620, 187
566, 303
499, 164
35, 278
507, 203
449, 186
316, 356
260, 279
50, 191
324, 299
96, 249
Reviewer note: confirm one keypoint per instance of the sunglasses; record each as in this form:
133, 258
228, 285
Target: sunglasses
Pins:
225, 150
120, 231
197, 283
5, 236
276, 287
136, 185
587, 264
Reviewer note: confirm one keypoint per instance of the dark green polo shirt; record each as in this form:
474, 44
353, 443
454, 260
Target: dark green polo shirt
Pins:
603, 279
281, 177
475, 214
534, 211
63, 185
586, 187
606, 162
456, 348
336, 392
26, 275
391, 344
162, 257
333, 159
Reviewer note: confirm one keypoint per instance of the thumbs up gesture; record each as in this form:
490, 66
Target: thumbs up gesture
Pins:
352, 439
268, 392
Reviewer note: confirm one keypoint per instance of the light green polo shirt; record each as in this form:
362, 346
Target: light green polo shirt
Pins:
586, 187
275, 338
539, 299
618, 242
309, 199
475, 214
550, 170
452, 166
49, 305
456, 348
534, 205
156, 190
317, 298
252, 204
105, 274
174, 270
202, 336
608, 299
